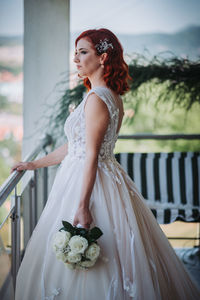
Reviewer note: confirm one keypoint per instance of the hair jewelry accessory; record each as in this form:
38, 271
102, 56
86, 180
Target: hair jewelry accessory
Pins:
103, 46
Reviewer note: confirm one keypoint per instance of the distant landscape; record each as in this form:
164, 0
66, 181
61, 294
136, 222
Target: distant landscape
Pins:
184, 43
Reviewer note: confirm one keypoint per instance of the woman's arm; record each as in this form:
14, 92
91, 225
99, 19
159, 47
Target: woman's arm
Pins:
97, 120
50, 159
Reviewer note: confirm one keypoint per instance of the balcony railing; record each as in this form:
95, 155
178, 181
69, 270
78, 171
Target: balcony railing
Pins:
8, 279
29, 196
148, 136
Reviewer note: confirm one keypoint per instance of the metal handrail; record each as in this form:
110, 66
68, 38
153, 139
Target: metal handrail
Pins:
149, 136
15, 211
15, 177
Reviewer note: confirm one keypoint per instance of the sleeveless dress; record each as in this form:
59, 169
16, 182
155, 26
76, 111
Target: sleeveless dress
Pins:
137, 261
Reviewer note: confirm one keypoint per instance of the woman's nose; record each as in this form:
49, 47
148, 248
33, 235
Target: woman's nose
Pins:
76, 59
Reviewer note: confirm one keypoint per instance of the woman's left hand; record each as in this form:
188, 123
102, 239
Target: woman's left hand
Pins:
83, 216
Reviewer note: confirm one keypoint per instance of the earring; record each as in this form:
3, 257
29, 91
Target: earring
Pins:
102, 66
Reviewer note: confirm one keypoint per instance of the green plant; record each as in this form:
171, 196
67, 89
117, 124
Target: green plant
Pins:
172, 84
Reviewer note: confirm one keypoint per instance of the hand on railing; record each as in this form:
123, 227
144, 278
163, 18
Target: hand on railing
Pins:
20, 166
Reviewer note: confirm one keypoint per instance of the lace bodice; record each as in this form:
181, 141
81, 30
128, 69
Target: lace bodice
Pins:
75, 127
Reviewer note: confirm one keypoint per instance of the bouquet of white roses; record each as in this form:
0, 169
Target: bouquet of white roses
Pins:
77, 247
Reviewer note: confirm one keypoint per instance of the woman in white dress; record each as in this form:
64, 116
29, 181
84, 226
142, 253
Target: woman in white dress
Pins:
92, 189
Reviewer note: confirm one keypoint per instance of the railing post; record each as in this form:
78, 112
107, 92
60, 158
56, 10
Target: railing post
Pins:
15, 238
35, 193
30, 207
45, 181
29, 210
45, 185
18, 232
33, 202
13, 243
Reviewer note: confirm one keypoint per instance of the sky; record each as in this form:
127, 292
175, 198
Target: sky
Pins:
121, 16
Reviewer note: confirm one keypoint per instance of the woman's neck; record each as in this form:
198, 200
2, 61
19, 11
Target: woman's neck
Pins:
97, 79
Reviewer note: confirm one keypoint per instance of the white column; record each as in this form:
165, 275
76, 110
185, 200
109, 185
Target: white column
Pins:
46, 56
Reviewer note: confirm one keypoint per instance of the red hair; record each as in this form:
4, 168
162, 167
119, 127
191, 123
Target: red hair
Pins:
116, 73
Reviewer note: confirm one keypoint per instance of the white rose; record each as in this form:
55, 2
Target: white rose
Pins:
61, 239
78, 244
73, 257
60, 255
92, 252
86, 263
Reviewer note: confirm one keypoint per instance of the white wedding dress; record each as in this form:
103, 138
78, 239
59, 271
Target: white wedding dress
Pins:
137, 261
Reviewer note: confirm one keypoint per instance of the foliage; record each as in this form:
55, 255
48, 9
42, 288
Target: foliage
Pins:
10, 151
174, 82
13, 108
11, 68
159, 119
4, 170
61, 110
182, 77
3, 102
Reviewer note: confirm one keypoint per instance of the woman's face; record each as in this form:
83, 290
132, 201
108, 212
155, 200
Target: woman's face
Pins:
86, 59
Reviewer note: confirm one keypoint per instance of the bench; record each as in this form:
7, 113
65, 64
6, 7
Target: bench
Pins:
169, 182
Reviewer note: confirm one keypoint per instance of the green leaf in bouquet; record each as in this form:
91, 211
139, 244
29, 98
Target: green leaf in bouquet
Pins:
63, 228
82, 232
95, 233
68, 226
91, 240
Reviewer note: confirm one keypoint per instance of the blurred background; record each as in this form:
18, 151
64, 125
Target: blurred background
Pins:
149, 28
145, 27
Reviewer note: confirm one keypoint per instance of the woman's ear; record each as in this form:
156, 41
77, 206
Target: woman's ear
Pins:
103, 57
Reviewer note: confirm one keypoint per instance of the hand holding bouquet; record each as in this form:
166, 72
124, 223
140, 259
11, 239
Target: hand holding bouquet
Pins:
77, 247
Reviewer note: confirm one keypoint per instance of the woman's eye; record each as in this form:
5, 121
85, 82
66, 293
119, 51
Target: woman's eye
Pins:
83, 52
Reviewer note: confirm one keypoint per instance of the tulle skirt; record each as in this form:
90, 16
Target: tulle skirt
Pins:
136, 262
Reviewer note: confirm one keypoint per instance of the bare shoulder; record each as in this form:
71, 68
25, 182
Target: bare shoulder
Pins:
96, 105
97, 114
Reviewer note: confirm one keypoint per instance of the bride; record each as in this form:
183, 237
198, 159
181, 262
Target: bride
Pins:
91, 189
